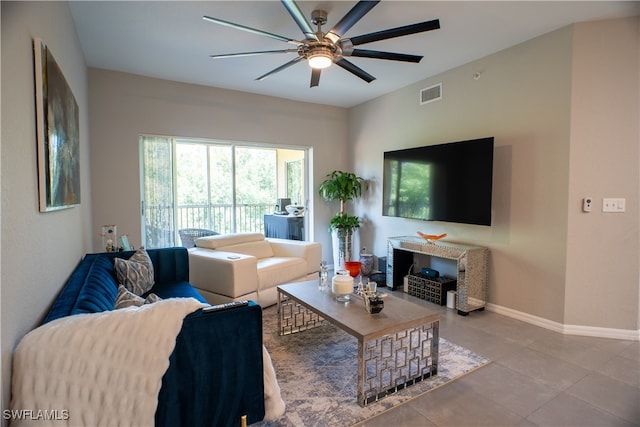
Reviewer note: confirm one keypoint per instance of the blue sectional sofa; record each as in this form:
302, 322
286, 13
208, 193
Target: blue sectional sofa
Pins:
215, 373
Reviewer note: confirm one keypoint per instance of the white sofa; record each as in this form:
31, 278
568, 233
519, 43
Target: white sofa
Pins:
249, 266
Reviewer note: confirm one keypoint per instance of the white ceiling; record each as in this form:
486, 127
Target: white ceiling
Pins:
170, 40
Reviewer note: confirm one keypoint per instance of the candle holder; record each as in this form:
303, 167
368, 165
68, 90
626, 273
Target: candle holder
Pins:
342, 287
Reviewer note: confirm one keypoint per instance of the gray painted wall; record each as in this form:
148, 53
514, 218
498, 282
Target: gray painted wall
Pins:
39, 250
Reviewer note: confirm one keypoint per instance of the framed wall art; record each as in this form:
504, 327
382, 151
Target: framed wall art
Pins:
58, 135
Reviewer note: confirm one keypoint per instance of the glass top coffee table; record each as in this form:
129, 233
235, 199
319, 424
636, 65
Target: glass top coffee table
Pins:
397, 347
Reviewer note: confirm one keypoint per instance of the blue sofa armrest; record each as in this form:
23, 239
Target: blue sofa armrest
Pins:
216, 383
91, 288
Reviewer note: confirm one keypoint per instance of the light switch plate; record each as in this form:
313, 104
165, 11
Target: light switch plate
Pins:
613, 205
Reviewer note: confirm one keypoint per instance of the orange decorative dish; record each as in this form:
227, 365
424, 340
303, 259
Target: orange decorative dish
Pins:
432, 237
353, 267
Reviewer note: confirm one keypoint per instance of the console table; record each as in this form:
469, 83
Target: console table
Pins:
284, 227
472, 265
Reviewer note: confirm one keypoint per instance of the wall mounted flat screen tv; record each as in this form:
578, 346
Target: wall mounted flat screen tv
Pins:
446, 182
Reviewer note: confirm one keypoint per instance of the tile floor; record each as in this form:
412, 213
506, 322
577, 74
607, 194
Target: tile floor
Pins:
536, 378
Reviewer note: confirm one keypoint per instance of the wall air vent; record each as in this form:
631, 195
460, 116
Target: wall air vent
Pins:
430, 94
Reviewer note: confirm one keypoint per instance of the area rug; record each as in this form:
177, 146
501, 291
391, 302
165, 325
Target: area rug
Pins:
317, 374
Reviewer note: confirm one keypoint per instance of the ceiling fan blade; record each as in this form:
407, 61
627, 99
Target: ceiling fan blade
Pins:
376, 54
354, 69
263, 52
280, 68
251, 30
315, 77
396, 32
349, 20
302, 22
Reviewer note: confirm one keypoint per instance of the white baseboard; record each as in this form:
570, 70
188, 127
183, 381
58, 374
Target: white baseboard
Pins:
589, 331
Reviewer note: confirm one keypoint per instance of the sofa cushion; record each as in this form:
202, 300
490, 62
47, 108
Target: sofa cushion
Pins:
169, 264
275, 271
176, 290
217, 242
136, 273
99, 291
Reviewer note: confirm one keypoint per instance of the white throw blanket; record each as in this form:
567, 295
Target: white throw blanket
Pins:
63, 375
274, 406
110, 376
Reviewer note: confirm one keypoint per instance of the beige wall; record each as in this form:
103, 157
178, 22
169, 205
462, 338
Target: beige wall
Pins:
551, 138
522, 99
123, 106
39, 250
602, 264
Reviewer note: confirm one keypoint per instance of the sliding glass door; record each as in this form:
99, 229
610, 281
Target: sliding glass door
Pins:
255, 187
204, 186
223, 187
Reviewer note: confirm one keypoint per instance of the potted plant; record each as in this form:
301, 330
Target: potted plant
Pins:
342, 186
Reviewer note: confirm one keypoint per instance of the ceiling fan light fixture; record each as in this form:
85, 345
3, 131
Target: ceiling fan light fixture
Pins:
319, 61
320, 57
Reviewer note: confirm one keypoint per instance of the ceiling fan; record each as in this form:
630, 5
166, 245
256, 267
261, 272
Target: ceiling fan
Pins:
322, 49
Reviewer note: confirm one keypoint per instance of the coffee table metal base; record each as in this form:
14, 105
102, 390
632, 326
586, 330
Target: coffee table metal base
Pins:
385, 364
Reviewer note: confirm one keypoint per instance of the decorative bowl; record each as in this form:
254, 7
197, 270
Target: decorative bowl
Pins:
295, 210
432, 238
353, 267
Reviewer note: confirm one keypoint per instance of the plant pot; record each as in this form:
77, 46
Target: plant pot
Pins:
342, 248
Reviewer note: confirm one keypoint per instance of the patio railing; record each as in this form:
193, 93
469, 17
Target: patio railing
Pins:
160, 233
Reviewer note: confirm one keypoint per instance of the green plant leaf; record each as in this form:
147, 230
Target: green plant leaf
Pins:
343, 222
340, 185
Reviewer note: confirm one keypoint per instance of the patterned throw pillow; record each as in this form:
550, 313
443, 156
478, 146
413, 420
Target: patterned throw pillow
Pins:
151, 298
128, 299
136, 273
